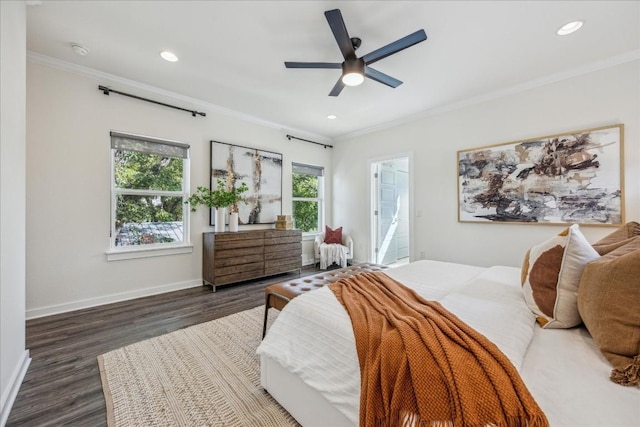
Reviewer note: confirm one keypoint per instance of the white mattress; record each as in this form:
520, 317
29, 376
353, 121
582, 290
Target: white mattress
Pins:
313, 340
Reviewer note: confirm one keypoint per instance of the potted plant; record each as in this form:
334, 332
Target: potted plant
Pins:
233, 197
220, 199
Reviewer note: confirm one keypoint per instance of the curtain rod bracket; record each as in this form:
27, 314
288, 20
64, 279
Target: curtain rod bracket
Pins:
290, 137
107, 91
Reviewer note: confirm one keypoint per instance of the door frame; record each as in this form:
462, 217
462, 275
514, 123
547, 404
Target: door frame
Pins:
372, 198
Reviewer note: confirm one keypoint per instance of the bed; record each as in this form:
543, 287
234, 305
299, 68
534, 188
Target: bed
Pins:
309, 362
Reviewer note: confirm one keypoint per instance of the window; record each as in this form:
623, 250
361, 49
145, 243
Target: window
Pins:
149, 187
308, 194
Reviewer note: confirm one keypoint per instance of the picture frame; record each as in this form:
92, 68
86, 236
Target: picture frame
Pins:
573, 177
260, 169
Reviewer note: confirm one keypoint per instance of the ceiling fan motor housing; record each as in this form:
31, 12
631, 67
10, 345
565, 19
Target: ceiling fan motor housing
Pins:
353, 65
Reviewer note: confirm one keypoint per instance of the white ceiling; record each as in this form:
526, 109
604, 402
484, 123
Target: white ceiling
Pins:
232, 52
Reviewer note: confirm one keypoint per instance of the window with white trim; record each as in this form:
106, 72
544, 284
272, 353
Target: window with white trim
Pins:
149, 185
307, 197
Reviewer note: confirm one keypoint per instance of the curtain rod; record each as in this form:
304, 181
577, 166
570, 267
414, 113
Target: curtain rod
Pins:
290, 137
106, 91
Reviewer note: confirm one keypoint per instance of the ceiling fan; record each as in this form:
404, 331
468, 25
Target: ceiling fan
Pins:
355, 69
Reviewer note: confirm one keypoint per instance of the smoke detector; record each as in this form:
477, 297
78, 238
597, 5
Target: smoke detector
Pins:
79, 49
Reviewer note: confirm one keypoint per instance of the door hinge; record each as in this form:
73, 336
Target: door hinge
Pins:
375, 212
375, 175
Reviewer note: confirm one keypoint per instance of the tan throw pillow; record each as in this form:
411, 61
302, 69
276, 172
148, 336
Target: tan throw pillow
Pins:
618, 238
551, 273
609, 303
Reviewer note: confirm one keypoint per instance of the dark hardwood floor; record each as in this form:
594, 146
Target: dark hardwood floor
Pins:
62, 385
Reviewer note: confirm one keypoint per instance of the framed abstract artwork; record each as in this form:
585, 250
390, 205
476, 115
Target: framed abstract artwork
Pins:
262, 172
574, 177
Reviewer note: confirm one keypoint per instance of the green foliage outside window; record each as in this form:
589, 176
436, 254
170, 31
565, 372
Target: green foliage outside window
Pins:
305, 212
141, 171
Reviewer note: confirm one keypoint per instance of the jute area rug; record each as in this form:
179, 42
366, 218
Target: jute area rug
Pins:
204, 375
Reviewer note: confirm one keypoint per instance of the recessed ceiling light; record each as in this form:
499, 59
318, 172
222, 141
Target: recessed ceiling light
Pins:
569, 28
169, 56
332, 117
79, 49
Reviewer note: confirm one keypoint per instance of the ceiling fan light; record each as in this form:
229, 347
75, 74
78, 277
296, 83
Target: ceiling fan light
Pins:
353, 71
353, 79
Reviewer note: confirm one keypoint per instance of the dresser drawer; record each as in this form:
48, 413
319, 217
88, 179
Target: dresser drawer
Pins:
239, 243
280, 237
237, 260
220, 253
282, 251
234, 274
282, 267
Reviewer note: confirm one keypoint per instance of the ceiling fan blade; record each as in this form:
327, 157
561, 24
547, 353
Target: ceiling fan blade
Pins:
337, 88
334, 18
313, 65
395, 47
381, 77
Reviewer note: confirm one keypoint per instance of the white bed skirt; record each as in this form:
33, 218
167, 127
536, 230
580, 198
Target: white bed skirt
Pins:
304, 403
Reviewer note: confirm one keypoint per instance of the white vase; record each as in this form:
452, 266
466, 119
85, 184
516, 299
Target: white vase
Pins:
221, 214
233, 221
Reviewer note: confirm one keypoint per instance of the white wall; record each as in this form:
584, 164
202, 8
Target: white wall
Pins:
14, 359
68, 122
604, 97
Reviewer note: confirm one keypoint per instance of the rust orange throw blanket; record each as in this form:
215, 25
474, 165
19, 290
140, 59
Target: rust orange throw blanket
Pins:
422, 366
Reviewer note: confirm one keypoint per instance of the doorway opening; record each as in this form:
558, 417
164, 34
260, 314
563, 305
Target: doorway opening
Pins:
390, 220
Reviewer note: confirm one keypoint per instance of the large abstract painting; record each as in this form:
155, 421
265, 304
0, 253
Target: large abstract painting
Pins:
559, 179
262, 172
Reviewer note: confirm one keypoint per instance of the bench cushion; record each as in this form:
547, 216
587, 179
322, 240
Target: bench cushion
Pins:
279, 294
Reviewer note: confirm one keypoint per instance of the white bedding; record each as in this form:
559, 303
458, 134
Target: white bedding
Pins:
323, 352
313, 339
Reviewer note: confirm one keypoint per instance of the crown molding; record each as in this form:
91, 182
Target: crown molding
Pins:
552, 78
101, 76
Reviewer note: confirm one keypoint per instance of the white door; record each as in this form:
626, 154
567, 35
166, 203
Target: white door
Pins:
402, 231
390, 211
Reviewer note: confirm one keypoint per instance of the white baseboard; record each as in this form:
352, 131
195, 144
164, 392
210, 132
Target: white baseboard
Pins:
107, 299
14, 386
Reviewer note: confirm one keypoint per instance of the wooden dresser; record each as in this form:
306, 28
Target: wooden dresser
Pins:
244, 255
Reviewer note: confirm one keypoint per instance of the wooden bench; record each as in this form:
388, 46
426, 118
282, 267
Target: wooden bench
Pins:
279, 294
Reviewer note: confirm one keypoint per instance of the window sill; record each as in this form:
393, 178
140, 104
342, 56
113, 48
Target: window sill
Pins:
309, 236
122, 254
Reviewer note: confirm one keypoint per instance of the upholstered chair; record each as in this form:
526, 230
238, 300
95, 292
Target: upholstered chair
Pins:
346, 241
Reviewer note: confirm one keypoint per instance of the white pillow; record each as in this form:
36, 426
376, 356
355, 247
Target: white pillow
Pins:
551, 273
